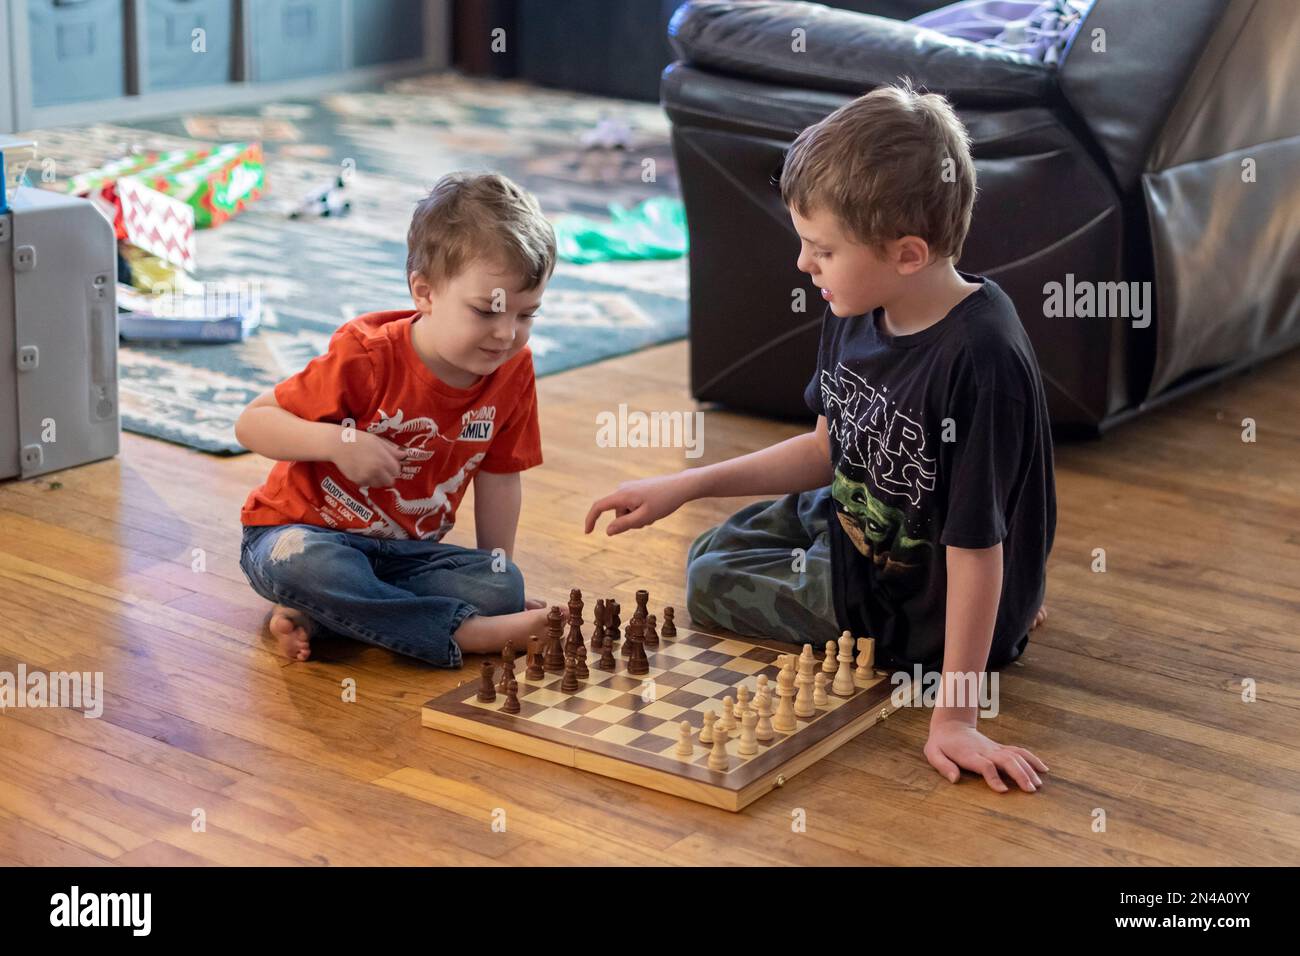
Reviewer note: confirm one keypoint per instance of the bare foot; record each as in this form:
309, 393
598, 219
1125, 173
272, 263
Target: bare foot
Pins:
1040, 617
293, 631
484, 634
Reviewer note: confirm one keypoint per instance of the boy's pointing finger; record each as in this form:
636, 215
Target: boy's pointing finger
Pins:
594, 513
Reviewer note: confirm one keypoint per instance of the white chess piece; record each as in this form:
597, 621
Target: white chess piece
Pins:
748, 734
706, 732
803, 702
718, 755
819, 690
828, 663
684, 746
844, 686
728, 722
866, 659
763, 705
783, 720
742, 703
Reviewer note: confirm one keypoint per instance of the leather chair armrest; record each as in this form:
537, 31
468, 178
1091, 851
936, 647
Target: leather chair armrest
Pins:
848, 52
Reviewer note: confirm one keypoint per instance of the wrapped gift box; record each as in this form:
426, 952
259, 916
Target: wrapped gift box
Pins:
157, 223
215, 183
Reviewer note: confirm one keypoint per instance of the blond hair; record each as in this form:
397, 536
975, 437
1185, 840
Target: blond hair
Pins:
469, 216
892, 163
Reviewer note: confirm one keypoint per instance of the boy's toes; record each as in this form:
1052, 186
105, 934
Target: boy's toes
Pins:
1040, 617
292, 632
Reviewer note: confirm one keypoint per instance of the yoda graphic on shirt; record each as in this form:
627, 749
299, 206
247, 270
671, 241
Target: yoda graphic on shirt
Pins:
877, 531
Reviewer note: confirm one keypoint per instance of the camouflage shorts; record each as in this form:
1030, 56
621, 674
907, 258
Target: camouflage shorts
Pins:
766, 572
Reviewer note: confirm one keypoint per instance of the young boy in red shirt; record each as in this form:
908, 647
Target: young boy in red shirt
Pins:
377, 440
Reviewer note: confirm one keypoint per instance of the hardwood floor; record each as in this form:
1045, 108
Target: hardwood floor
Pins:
1131, 692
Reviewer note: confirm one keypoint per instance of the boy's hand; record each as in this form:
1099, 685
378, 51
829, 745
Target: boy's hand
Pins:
369, 461
639, 503
955, 744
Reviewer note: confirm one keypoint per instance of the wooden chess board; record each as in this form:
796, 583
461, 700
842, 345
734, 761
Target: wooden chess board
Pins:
627, 727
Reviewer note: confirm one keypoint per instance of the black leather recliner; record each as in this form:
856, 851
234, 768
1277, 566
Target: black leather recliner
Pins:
1131, 164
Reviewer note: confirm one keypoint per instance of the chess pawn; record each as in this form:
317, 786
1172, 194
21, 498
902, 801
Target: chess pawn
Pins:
803, 702
783, 720
866, 660
486, 692
569, 683
511, 705
534, 670
670, 627
607, 662
843, 685
763, 687
684, 746
819, 690
580, 663
728, 721
828, 663
651, 635
706, 732
629, 635
742, 702
763, 707
613, 609
718, 755
508, 666
748, 734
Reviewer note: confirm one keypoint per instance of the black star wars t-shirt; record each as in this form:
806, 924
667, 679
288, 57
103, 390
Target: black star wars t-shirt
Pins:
939, 438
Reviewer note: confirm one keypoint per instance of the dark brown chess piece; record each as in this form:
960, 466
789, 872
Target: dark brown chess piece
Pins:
486, 692
642, 600
580, 664
598, 635
607, 662
573, 642
575, 606
670, 626
651, 635
534, 670
569, 682
613, 625
637, 662
511, 705
507, 666
553, 657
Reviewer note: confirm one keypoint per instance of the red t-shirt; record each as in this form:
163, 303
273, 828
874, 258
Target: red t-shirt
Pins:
372, 375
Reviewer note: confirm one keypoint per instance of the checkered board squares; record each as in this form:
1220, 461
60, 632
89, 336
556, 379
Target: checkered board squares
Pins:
627, 726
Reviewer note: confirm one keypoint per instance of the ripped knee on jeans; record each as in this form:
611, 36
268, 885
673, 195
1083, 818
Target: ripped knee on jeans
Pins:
287, 544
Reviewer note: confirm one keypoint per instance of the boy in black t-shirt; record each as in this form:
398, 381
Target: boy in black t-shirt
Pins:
922, 508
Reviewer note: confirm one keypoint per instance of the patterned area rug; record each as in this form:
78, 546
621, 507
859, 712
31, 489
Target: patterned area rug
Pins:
316, 274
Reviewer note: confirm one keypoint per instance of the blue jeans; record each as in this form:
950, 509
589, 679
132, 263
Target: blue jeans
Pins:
405, 595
